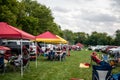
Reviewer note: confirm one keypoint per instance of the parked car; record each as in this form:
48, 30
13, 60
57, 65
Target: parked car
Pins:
15, 45
114, 51
92, 48
103, 49
99, 48
109, 47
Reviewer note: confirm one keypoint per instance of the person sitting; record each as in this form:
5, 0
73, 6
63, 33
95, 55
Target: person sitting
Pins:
117, 57
46, 53
17, 61
96, 59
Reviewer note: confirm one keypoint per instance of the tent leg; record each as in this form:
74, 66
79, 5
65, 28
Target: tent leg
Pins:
36, 53
21, 60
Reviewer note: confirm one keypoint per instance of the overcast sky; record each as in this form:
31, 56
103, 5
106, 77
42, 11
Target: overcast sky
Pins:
86, 15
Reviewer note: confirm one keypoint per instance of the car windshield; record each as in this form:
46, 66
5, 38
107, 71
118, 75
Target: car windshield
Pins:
12, 43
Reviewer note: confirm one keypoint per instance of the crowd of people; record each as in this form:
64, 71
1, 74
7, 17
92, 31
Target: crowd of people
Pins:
55, 53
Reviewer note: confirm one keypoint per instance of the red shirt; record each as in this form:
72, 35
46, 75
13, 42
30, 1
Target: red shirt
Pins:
95, 58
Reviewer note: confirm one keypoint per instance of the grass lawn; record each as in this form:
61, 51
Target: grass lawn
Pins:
56, 70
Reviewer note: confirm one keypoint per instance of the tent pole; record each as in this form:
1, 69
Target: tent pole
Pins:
29, 54
36, 52
21, 59
44, 47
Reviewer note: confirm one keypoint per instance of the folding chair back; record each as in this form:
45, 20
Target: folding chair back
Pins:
105, 58
63, 56
101, 73
51, 55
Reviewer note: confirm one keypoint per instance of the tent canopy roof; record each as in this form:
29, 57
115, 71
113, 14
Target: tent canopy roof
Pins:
80, 45
4, 48
10, 32
47, 37
63, 41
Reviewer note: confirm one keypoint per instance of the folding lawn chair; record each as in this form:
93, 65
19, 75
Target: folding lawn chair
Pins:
105, 57
101, 73
15, 60
51, 55
63, 56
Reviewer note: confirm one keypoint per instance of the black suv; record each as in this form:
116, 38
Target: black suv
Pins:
15, 46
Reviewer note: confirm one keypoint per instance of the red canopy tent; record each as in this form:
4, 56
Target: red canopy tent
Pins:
47, 37
10, 32
80, 45
4, 48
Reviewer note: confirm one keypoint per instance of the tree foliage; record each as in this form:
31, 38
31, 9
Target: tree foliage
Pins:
80, 37
117, 38
69, 36
8, 11
99, 39
29, 16
35, 18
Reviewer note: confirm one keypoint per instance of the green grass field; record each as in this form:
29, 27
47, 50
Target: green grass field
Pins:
56, 70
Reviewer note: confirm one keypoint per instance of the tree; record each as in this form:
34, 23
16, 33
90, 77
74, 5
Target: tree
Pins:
8, 11
80, 37
117, 38
69, 36
110, 40
99, 39
40, 17
29, 16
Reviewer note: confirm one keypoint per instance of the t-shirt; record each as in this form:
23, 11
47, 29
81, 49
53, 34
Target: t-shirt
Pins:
94, 58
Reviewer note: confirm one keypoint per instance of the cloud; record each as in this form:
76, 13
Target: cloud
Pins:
116, 6
60, 9
116, 3
98, 17
86, 15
